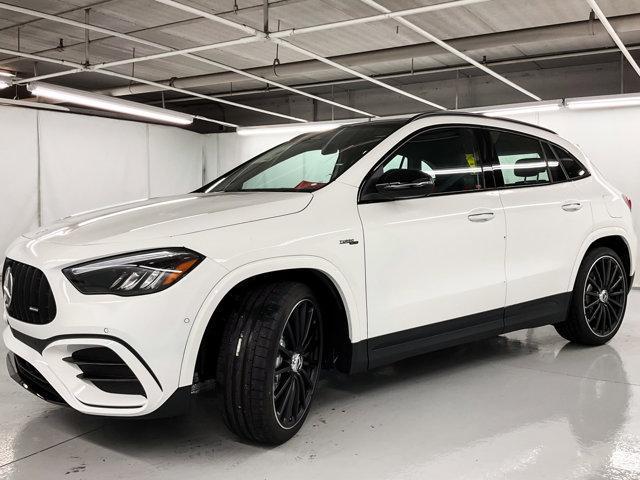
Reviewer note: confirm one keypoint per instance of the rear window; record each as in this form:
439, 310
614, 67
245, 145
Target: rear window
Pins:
571, 165
556, 170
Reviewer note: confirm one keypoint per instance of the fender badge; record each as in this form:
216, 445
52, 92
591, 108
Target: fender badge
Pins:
349, 241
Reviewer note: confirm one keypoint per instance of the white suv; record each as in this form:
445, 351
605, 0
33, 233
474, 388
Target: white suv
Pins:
350, 248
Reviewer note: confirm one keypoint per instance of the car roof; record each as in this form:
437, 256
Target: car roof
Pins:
476, 115
404, 121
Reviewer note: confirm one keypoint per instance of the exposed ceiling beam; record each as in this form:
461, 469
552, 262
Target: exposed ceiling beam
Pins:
74, 23
426, 71
82, 68
64, 12
308, 53
169, 51
423, 33
531, 35
613, 34
375, 18
40, 58
201, 95
355, 73
179, 23
257, 35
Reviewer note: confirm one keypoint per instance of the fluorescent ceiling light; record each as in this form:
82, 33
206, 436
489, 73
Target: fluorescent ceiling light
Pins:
30, 104
103, 102
4, 84
4, 73
609, 101
293, 129
519, 109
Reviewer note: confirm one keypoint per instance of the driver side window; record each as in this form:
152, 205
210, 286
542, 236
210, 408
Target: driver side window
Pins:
448, 155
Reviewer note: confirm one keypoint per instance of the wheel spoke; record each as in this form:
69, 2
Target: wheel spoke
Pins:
306, 378
595, 313
592, 303
615, 284
303, 390
609, 271
291, 399
615, 302
282, 387
285, 351
289, 335
285, 408
307, 327
284, 368
595, 282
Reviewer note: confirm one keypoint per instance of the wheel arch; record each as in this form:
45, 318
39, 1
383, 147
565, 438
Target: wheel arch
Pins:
614, 238
326, 280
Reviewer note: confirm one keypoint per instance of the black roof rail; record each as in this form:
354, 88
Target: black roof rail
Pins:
474, 115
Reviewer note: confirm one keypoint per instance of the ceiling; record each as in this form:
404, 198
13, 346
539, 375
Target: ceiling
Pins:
177, 29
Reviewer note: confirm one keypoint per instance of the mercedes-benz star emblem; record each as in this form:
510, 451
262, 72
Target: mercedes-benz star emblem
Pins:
7, 287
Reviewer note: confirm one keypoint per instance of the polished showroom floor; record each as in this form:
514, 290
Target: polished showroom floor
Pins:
524, 405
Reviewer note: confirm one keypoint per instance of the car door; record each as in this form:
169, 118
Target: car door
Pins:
434, 265
546, 220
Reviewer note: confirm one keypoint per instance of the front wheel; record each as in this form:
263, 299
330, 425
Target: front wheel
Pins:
598, 301
270, 360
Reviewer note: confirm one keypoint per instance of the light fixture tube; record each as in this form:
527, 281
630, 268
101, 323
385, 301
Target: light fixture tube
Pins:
519, 109
4, 84
103, 102
603, 102
297, 128
4, 73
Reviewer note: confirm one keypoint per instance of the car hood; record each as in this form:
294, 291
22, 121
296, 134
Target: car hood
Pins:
170, 216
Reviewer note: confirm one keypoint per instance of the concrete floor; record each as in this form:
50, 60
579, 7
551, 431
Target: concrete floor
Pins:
524, 405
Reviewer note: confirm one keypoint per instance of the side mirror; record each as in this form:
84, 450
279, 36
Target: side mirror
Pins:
401, 183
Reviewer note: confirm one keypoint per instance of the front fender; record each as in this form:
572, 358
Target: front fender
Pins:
354, 307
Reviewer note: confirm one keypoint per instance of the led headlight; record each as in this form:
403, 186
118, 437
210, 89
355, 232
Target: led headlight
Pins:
137, 273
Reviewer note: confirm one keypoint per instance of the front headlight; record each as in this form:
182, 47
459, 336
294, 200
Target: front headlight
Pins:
137, 273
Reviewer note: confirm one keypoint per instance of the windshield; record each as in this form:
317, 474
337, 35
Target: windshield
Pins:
307, 162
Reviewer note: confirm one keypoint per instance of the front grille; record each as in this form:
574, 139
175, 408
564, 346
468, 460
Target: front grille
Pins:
35, 382
106, 370
31, 296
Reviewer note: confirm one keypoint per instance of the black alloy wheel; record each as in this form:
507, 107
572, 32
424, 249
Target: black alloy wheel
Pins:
297, 364
604, 296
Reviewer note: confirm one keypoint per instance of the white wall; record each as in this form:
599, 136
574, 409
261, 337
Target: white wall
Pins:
610, 138
55, 164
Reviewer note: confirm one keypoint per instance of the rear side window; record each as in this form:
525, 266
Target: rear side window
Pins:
571, 165
519, 159
557, 172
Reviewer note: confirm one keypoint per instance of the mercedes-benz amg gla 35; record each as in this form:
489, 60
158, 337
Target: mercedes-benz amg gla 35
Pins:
348, 249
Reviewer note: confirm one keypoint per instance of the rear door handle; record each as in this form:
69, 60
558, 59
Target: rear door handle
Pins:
480, 216
572, 206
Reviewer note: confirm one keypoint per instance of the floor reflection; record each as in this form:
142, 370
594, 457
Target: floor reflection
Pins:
515, 405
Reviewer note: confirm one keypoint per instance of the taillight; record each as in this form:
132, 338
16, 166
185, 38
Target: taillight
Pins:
627, 200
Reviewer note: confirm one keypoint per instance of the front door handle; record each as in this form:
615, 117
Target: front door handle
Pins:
482, 216
571, 206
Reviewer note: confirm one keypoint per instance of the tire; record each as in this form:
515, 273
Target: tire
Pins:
264, 330
598, 301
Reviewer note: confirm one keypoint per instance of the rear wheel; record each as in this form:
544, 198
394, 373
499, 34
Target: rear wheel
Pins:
270, 360
599, 299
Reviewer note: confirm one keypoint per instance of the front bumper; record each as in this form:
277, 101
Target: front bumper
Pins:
148, 333
41, 369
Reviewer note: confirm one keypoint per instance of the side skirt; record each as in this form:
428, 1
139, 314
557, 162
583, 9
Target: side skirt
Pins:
392, 347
